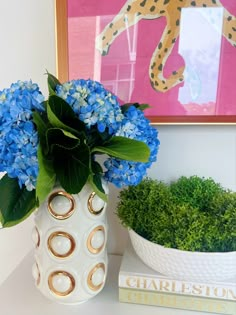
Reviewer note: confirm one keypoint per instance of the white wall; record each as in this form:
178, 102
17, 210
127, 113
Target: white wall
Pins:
208, 151
27, 49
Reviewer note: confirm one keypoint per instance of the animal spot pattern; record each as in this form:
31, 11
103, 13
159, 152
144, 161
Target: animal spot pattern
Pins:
135, 10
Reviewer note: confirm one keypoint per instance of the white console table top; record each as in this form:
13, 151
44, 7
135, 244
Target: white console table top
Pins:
19, 296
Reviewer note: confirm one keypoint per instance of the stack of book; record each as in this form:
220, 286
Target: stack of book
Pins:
140, 284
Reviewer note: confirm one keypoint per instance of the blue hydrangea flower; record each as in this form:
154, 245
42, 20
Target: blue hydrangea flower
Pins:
134, 126
93, 104
18, 136
124, 173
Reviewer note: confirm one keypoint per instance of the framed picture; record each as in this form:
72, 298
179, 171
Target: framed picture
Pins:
177, 56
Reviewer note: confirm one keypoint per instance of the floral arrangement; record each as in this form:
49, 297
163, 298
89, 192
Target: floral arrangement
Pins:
58, 140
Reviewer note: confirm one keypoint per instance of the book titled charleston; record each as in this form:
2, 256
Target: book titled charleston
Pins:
184, 302
140, 284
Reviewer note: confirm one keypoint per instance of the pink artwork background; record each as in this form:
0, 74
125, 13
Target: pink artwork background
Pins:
127, 75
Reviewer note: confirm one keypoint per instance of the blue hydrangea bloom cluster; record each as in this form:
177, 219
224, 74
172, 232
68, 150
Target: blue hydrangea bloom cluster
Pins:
93, 104
18, 136
134, 126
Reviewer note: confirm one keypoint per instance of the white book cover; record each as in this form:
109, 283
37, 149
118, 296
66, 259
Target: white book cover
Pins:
134, 274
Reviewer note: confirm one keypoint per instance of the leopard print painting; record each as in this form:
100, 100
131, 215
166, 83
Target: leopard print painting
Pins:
135, 10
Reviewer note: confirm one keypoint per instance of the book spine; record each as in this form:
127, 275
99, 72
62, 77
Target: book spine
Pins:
177, 301
164, 285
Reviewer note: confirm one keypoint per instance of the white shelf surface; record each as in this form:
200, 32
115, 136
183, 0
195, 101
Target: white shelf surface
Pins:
19, 296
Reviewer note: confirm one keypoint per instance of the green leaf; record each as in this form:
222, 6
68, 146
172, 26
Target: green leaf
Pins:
126, 149
42, 127
40, 123
61, 138
95, 179
94, 137
69, 134
61, 115
16, 204
142, 107
46, 177
96, 167
72, 167
96, 183
72, 174
52, 83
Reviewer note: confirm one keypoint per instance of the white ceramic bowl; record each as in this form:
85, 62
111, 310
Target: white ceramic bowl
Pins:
185, 265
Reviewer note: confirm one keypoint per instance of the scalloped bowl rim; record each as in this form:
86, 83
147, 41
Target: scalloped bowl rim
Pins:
176, 260
176, 250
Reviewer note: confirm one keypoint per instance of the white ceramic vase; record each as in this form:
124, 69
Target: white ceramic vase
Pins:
70, 236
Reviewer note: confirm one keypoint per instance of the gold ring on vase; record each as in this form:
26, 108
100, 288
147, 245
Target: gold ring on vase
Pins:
90, 283
65, 235
90, 205
65, 274
90, 247
54, 213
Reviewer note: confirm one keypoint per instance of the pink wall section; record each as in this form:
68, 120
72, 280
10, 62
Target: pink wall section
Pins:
125, 69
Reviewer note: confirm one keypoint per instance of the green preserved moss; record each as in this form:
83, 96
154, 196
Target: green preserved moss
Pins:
194, 214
